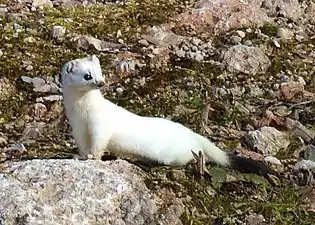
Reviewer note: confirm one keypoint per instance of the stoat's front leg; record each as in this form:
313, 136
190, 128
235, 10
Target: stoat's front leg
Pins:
99, 138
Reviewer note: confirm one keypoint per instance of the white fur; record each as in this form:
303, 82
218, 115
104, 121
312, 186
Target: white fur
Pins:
100, 125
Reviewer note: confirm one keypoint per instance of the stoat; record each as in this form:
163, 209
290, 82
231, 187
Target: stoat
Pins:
98, 125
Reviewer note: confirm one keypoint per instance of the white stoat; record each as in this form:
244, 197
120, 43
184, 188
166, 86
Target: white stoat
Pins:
99, 125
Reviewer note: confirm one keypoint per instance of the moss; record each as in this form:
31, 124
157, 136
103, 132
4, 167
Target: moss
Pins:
269, 29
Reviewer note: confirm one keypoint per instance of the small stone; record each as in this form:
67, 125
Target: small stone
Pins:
119, 34
299, 37
58, 32
276, 43
276, 87
241, 33
196, 41
236, 39
310, 153
39, 110
143, 42
185, 48
198, 56
272, 160
248, 43
41, 3
30, 39
3, 9
267, 140
180, 53
156, 51
119, 90
3, 141
17, 147
284, 33
304, 164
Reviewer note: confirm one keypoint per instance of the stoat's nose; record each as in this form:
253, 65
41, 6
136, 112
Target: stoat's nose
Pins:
100, 83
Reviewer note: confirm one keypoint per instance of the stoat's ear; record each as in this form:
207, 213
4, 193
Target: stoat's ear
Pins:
94, 59
68, 67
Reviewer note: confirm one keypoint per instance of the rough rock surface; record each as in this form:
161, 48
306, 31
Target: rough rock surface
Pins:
79, 192
267, 140
242, 58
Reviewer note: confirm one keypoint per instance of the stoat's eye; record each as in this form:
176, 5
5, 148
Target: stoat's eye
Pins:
87, 76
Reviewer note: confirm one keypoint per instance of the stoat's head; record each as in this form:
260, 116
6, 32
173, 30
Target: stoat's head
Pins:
82, 74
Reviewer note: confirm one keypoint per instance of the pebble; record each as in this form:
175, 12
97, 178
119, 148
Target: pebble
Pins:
3, 141
180, 53
196, 41
241, 33
58, 32
272, 160
276, 43
198, 56
156, 51
284, 33
119, 90
143, 42
236, 39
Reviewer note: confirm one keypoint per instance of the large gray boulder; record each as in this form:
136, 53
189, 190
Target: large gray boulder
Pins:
87, 192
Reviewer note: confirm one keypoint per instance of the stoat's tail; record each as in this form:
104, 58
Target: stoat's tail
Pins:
238, 163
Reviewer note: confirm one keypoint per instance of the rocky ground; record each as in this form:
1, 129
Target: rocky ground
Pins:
240, 72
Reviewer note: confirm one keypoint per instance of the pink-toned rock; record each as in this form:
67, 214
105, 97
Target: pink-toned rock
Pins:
220, 15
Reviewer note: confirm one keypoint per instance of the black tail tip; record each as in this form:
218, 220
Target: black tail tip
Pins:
246, 165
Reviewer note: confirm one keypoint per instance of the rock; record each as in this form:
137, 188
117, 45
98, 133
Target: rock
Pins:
40, 84
267, 140
143, 42
17, 147
235, 39
272, 160
297, 129
276, 43
41, 3
255, 219
196, 41
211, 18
3, 9
119, 90
3, 141
85, 42
162, 36
241, 33
32, 131
50, 98
180, 53
284, 33
249, 60
255, 90
71, 192
198, 56
310, 153
304, 164
39, 110
58, 32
